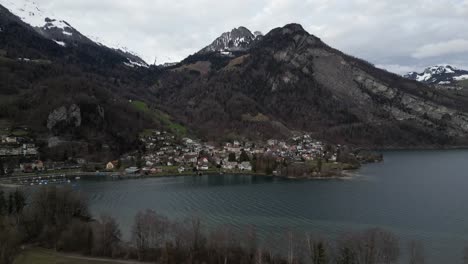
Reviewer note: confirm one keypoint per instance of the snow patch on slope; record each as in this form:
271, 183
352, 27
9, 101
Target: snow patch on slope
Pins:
461, 77
61, 43
53, 23
30, 13
134, 64
27, 10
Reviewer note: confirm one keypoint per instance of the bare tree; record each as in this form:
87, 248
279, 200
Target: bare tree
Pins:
251, 241
317, 250
196, 237
223, 240
149, 232
387, 246
346, 250
370, 247
465, 255
9, 240
107, 237
416, 253
295, 247
291, 254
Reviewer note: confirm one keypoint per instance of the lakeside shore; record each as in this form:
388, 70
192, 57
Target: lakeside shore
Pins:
20, 181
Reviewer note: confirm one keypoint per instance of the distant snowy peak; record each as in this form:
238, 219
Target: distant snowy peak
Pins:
439, 74
60, 31
44, 23
236, 40
27, 10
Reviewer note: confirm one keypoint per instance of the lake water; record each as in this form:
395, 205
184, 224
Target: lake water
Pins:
420, 195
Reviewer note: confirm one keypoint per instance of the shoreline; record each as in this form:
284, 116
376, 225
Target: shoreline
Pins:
416, 148
342, 175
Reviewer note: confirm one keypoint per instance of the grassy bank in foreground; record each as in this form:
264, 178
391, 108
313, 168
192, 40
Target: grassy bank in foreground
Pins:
45, 256
48, 256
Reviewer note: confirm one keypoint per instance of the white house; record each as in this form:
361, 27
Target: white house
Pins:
245, 166
229, 165
110, 166
203, 167
10, 139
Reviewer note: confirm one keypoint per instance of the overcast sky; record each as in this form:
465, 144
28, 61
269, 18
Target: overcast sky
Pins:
398, 35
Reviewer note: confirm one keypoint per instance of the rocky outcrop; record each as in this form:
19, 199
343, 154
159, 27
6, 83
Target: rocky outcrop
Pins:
238, 39
70, 115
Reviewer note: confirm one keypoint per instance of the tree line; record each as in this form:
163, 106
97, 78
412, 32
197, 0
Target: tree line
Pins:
58, 218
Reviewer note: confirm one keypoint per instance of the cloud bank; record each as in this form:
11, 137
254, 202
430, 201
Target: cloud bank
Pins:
397, 35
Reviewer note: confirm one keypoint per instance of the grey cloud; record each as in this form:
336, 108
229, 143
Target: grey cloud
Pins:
400, 34
443, 48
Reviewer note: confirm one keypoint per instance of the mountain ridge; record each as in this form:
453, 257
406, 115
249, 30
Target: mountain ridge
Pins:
60, 31
296, 82
284, 82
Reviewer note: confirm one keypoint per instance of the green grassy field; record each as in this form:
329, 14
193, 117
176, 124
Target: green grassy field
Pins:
43, 256
164, 118
20, 132
141, 106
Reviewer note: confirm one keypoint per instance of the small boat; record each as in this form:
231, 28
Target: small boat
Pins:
77, 178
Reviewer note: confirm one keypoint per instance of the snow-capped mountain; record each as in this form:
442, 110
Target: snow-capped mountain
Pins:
439, 74
60, 31
57, 30
237, 39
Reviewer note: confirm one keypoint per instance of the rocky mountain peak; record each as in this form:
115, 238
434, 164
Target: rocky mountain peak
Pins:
237, 39
295, 28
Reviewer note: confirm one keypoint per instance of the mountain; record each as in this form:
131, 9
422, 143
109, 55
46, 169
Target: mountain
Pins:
238, 39
83, 98
60, 31
77, 100
439, 74
292, 81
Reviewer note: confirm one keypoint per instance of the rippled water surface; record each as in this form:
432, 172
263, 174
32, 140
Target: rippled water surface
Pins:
419, 195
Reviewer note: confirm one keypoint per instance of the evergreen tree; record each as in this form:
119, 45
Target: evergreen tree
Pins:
232, 157
65, 155
244, 156
3, 203
2, 169
319, 164
10, 204
19, 201
320, 256
254, 163
139, 161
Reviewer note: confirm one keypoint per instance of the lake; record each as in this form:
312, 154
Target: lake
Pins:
420, 195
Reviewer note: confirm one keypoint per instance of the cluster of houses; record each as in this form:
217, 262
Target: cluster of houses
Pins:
164, 153
11, 145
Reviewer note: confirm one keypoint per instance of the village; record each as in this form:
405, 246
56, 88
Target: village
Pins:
163, 154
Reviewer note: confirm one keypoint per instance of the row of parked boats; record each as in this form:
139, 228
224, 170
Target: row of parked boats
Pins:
46, 180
